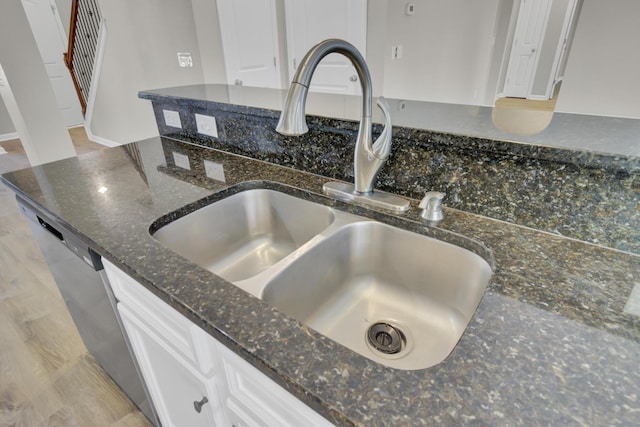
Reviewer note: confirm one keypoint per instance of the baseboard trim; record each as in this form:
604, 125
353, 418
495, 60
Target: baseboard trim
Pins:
93, 88
98, 139
9, 136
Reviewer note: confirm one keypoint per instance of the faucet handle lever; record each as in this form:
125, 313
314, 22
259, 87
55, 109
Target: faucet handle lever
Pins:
382, 146
431, 205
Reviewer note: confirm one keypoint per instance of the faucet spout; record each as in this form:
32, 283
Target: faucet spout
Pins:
368, 157
292, 120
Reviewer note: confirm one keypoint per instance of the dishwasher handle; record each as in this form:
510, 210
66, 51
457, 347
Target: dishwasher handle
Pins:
64, 236
51, 229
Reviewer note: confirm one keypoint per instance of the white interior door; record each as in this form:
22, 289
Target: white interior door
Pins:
311, 21
45, 26
531, 24
250, 42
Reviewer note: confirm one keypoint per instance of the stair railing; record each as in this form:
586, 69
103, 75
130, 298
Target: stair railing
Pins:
83, 38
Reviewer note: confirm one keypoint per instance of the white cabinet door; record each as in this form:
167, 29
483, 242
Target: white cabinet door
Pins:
182, 396
165, 322
182, 364
252, 399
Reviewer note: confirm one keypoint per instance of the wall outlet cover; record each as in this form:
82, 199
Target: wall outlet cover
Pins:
172, 118
214, 170
181, 160
207, 125
410, 9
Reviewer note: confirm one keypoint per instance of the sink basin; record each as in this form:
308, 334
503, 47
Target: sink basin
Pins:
397, 297
371, 279
246, 233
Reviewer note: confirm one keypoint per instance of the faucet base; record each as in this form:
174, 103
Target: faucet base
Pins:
377, 199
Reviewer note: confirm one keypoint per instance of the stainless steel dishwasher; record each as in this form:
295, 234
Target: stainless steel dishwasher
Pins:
80, 276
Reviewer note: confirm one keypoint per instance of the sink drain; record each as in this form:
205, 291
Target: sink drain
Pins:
386, 338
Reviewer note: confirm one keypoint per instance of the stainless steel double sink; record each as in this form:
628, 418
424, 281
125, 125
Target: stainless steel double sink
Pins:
400, 298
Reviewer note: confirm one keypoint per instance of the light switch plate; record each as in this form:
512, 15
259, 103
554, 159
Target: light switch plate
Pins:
214, 170
207, 125
181, 160
172, 118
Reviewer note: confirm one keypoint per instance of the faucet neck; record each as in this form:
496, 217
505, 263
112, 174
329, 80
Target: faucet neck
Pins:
368, 157
314, 56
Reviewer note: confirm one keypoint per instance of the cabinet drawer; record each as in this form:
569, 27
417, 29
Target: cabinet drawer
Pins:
157, 315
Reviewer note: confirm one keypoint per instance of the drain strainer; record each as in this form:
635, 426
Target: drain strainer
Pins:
386, 338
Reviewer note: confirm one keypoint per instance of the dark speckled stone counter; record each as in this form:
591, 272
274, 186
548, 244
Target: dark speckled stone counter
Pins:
585, 195
555, 340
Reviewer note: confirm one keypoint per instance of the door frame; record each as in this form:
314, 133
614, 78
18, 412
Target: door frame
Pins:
56, 13
61, 35
571, 14
563, 46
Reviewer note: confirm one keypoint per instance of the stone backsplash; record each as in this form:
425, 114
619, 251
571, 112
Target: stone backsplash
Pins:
578, 194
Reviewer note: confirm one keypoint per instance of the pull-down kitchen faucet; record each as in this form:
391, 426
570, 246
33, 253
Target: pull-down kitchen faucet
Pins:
368, 157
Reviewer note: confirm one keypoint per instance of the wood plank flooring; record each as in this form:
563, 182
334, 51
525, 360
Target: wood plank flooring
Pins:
47, 377
530, 104
15, 157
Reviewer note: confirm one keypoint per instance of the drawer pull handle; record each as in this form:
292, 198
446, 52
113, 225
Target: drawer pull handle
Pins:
198, 405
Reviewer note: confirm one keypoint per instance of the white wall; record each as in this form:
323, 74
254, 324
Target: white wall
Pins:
6, 125
448, 50
143, 39
27, 91
285, 79
505, 27
452, 51
602, 71
376, 43
205, 17
64, 10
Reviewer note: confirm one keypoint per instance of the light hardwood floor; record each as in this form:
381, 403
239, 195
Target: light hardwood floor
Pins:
47, 377
527, 104
15, 157
530, 104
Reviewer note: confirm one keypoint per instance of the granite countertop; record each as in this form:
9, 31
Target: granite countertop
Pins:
555, 340
597, 134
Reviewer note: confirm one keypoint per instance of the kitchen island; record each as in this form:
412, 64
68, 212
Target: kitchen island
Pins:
554, 341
